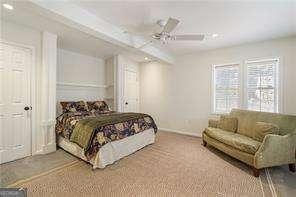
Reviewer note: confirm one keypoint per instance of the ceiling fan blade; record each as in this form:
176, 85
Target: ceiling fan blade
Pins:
199, 37
170, 25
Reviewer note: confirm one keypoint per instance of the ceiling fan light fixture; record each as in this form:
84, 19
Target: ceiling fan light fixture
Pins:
215, 35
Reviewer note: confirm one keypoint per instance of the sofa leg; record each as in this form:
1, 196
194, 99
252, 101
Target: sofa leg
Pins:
292, 167
256, 172
204, 143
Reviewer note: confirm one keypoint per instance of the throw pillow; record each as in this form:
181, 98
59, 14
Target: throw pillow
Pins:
261, 129
228, 123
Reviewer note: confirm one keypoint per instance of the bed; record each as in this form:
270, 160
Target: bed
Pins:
90, 131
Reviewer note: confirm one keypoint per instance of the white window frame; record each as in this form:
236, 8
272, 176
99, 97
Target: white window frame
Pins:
278, 81
214, 85
243, 100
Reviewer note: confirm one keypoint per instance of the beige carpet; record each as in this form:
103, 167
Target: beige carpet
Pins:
31, 166
175, 165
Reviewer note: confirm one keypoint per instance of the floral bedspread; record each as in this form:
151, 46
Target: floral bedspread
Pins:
101, 135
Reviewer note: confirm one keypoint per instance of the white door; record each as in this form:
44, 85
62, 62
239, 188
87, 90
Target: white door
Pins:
131, 91
15, 122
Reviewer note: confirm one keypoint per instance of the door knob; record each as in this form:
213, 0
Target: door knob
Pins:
126, 103
26, 108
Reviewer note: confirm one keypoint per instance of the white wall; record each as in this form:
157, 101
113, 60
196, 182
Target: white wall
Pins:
179, 96
110, 74
74, 70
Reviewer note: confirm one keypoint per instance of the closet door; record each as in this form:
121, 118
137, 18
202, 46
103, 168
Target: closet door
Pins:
131, 91
15, 110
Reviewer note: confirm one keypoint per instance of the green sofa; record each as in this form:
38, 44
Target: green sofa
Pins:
243, 139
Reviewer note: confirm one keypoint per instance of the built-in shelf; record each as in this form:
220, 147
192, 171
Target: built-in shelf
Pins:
81, 85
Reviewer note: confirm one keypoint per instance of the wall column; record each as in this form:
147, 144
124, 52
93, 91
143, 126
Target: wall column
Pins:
48, 98
119, 84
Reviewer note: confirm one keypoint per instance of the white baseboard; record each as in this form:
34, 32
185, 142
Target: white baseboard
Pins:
49, 148
37, 152
180, 132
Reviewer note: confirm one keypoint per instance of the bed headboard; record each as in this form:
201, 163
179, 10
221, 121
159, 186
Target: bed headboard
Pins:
78, 92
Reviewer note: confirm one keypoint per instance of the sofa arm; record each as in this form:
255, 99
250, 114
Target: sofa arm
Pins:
213, 123
276, 150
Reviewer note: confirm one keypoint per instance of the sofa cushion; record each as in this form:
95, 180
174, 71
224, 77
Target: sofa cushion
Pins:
213, 123
238, 141
228, 123
261, 129
247, 119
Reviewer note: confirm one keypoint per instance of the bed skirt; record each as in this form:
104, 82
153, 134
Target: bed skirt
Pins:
111, 151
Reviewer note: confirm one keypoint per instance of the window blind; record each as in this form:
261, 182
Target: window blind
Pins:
262, 87
226, 85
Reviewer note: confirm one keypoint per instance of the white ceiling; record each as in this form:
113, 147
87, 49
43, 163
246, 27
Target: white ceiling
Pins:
68, 38
235, 22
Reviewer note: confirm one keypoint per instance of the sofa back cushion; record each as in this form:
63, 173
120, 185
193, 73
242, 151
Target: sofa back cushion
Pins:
228, 123
261, 129
247, 120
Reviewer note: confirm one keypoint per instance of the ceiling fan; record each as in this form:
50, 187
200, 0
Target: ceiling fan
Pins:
165, 35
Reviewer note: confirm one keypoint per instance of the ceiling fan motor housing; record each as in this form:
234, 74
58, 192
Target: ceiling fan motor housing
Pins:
161, 23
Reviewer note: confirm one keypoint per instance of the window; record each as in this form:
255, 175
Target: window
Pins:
226, 88
262, 85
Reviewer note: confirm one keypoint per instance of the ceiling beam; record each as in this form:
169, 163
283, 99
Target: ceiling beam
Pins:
79, 18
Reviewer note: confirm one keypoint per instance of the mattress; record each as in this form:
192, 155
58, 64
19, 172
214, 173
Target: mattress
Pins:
112, 151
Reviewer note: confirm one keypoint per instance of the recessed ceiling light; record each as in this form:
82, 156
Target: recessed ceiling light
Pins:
7, 6
215, 35
146, 58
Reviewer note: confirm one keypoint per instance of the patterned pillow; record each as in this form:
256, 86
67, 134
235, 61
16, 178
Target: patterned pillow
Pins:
100, 106
73, 106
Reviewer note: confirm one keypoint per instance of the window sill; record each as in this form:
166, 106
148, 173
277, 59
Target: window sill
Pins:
219, 114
